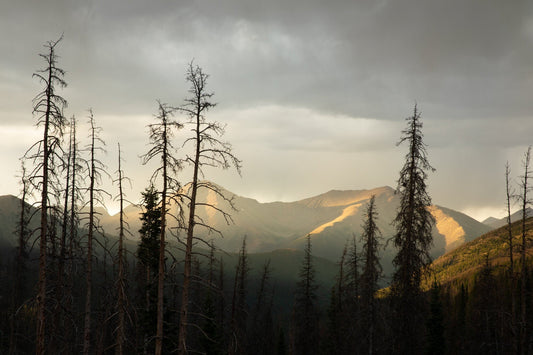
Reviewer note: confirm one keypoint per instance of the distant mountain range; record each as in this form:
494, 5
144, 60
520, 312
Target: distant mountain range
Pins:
332, 219
500, 222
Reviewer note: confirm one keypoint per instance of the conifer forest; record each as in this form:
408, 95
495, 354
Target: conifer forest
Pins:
72, 287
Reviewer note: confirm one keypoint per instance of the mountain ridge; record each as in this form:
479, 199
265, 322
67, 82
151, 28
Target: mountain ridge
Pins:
331, 218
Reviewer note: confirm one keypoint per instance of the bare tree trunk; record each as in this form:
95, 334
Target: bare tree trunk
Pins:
41, 293
509, 194
89, 270
182, 335
121, 274
69, 334
161, 265
525, 202
19, 266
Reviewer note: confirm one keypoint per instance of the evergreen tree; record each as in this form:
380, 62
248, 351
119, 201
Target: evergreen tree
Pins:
413, 240
370, 276
305, 311
239, 311
148, 255
261, 335
435, 323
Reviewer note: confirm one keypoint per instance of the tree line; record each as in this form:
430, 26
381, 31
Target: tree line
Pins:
84, 292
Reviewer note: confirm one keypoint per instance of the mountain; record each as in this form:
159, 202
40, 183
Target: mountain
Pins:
331, 218
464, 263
500, 222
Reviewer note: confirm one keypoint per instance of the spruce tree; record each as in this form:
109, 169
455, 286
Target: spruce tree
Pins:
305, 310
370, 276
413, 240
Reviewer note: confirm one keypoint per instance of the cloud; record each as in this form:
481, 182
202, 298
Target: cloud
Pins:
323, 84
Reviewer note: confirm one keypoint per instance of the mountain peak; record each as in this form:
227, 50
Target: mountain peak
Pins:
334, 198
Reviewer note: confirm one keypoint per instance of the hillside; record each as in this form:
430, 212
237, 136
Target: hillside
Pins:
463, 263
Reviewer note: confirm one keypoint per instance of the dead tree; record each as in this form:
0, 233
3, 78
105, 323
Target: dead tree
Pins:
48, 106
510, 193
96, 168
525, 201
121, 277
23, 232
208, 150
162, 148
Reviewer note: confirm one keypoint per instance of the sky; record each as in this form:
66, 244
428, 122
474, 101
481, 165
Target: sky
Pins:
314, 94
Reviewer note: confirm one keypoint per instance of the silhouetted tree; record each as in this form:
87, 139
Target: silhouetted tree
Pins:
148, 255
239, 310
96, 169
353, 295
212, 326
162, 148
413, 240
525, 201
482, 312
121, 276
509, 194
370, 276
210, 151
435, 323
305, 311
48, 106
340, 317
19, 288
261, 335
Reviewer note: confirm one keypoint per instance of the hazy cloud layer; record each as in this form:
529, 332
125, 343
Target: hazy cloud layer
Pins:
314, 92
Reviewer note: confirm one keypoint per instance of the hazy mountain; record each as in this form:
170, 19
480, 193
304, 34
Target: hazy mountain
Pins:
499, 222
331, 218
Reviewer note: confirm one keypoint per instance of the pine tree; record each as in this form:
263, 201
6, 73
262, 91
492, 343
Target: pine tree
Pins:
370, 276
305, 311
435, 323
239, 311
413, 240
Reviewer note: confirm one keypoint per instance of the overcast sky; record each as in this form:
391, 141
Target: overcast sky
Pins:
314, 93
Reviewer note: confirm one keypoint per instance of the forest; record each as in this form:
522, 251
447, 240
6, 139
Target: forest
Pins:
69, 287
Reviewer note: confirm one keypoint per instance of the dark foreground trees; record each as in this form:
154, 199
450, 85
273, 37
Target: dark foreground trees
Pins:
305, 317
161, 133
370, 276
48, 106
208, 151
413, 240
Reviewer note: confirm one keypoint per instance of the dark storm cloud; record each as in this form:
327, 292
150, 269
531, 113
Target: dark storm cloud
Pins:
361, 58
298, 76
